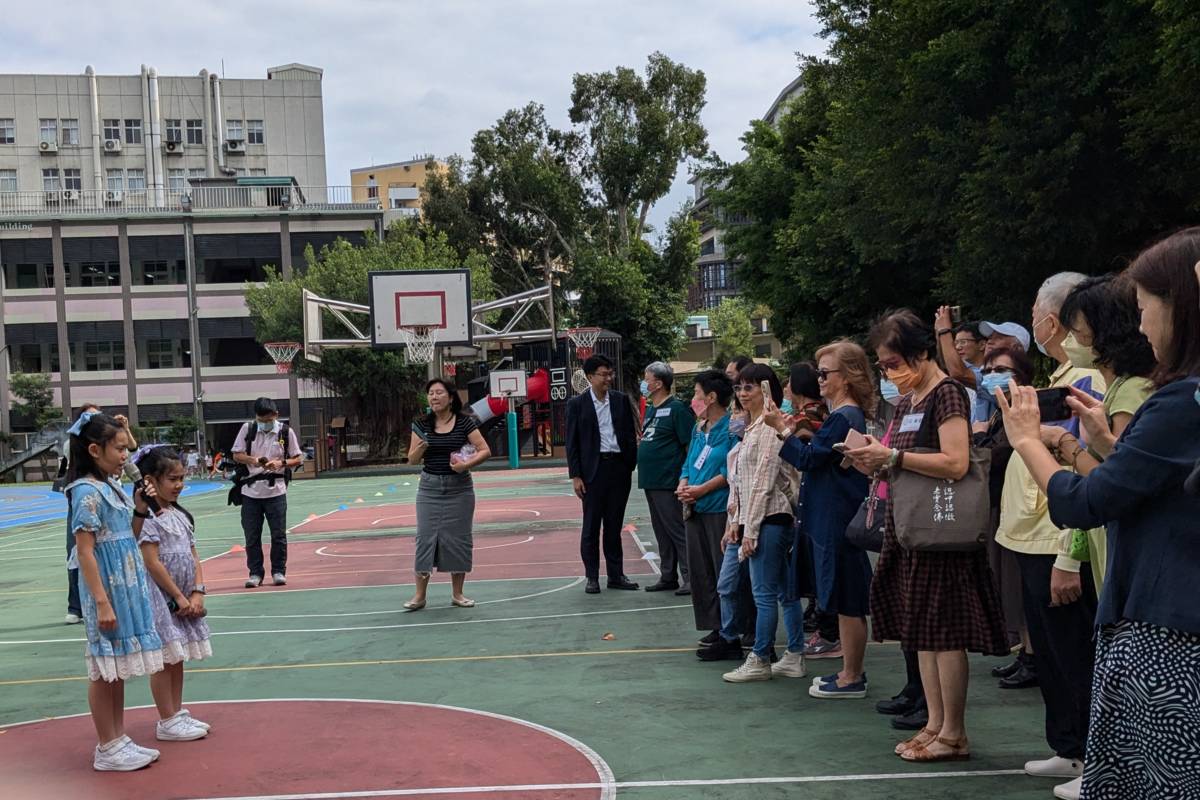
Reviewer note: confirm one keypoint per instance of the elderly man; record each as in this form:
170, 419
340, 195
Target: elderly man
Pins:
666, 434
1004, 334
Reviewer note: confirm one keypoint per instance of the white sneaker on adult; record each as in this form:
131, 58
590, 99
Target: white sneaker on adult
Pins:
753, 669
1069, 791
279, 579
154, 754
791, 665
178, 729
1055, 767
184, 712
72, 619
119, 756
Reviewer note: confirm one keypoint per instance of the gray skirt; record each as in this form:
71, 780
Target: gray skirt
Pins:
445, 511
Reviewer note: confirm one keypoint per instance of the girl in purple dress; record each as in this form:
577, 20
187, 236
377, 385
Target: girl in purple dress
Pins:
168, 546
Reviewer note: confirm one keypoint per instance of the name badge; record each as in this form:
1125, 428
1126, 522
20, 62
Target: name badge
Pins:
911, 422
663, 412
700, 459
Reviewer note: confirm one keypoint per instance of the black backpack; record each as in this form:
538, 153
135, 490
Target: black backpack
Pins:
241, 474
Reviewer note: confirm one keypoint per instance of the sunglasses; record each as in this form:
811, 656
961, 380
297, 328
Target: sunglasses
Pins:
745, 387
995, 370
823, 374
890, 365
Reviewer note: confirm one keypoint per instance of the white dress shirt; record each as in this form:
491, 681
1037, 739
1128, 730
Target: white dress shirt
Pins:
608, 436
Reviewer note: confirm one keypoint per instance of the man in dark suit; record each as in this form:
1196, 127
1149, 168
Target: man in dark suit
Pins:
601, 457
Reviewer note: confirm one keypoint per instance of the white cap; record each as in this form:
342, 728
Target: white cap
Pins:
1006, 329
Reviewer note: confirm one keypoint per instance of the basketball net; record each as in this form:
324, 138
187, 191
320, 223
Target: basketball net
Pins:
282, 354
419, 343
584, 340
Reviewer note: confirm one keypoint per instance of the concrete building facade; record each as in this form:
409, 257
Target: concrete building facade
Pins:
396, 186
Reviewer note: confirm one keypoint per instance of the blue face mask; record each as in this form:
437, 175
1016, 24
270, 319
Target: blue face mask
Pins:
888, 389
786, 406
995, 380
644, 387
737, 427
266, 427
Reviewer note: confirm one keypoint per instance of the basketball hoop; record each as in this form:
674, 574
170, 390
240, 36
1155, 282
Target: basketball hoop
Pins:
579, 382
419, 342
584, 340
282, 354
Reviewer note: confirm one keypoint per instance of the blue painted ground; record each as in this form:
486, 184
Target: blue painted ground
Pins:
28, 505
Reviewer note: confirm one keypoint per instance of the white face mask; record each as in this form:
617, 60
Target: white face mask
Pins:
1040, 344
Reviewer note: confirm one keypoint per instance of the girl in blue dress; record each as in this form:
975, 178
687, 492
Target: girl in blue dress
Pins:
114, 589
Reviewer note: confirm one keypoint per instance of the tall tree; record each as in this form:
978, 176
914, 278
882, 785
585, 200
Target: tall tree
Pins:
731, 330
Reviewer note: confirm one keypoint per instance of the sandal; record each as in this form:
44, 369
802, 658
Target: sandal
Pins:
466, 602
413, 605
959, 751
924, 736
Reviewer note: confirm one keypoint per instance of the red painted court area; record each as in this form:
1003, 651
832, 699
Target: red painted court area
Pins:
389, 560
307, 747
494, 510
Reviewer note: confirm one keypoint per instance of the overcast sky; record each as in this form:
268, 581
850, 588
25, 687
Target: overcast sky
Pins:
404, 78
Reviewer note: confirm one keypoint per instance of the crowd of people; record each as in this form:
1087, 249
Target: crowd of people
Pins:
1058, 524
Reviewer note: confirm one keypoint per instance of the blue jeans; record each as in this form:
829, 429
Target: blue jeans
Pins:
729, 589
768, 578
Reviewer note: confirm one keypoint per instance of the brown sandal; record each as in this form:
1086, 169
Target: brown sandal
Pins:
923, 737
960, 750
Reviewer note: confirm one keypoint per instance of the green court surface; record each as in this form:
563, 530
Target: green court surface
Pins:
523, 696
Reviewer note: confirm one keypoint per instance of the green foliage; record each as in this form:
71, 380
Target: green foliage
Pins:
379, 388
35, 398
952, 151
730, 325
182, 432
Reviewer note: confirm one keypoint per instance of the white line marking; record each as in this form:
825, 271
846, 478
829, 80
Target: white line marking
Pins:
394, 627
642, 546
320, 551
311, 519
533, 511
435, 581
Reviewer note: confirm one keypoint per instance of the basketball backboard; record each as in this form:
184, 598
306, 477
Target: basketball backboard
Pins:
440, 299
507, 383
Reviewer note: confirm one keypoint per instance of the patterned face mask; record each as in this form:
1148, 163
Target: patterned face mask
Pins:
737, 427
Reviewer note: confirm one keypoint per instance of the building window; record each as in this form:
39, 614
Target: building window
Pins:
135, 180
707, 248
100, 273
160, 354
196, 172
49, 130
155, 273
72, 179
50, 180
115, 180
103, 356
174, 130
8, 180
233, 130
254, 131
762, 350
258, 172
176, 180
195, 131
239, 172
29, 358
112, 130
70, 132
8, 131
133, 131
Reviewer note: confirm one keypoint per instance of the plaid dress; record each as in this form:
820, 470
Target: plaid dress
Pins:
935, 601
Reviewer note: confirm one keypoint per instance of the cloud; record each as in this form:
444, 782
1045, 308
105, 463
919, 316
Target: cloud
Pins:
404, 78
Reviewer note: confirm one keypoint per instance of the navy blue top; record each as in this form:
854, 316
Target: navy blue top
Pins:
1153, 524
829, 495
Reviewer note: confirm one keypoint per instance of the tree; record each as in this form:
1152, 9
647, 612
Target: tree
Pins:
730, 325
182, 432
35, 398
379, 387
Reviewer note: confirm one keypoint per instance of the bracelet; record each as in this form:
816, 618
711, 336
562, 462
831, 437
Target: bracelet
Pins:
944, 331
200, 588
141, 514
893, 459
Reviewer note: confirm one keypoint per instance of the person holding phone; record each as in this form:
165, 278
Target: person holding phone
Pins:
830, 496
762, 499
446, 493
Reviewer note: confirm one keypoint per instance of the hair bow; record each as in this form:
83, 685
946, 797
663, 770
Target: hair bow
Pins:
141, 451
84, 419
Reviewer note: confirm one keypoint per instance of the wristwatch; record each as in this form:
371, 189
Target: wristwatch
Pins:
200, 588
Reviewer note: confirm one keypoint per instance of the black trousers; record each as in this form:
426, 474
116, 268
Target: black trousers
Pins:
73, 606
604, 507
1063, 652
274, 509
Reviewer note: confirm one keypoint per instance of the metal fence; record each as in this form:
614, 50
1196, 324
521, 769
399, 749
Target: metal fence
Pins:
89, 202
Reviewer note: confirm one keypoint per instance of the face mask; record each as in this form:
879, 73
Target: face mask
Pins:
699, 407
993, 381
905, 378
786, 406
1040, 344
266, 427
1080, 356
645, 388
888, 389
737, 427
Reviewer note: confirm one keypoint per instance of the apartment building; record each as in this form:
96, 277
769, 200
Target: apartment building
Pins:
397, 186
133, 210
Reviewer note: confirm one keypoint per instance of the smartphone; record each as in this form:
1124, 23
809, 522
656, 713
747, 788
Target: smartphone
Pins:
1052, 404
840, 447
955, 314
150, 501
766, 390
262, 461
854, 440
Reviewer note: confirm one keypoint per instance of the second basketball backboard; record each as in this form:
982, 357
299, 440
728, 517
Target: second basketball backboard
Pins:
440, 299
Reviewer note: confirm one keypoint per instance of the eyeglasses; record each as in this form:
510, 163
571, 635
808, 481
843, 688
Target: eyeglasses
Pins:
893, 364
996, 370
823, 374
603, 375
745, 387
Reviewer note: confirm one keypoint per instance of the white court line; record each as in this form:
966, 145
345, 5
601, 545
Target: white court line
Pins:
575, 582
289, 589
642, 546
535, 512
394, 627
320, 550
562, 787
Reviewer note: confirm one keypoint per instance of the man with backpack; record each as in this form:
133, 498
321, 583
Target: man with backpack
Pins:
266, 451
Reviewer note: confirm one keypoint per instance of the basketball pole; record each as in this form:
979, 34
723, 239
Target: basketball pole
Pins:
514, 456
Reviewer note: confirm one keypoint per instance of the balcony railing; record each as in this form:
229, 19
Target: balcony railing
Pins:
89, 202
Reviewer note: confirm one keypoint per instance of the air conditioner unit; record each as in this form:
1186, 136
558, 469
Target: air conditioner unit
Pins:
112, 145
173, 148
71, 195
114, 197
48, 147
235, 146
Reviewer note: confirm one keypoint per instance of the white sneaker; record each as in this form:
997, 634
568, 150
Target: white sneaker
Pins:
279, 579
183, 712
790, 666
1054, 767
119, 756
178, 729
1069, 791
754, 669
154, 754
72, 619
